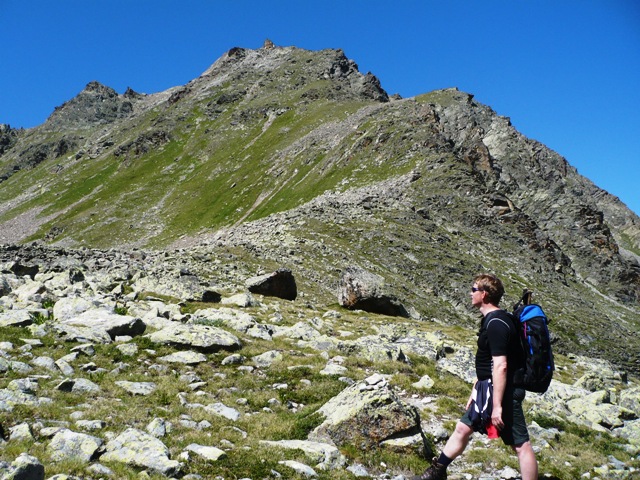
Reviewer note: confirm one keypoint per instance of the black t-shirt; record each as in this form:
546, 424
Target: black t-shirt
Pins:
497, 338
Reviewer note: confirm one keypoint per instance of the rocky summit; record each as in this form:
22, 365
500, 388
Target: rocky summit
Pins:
264, 273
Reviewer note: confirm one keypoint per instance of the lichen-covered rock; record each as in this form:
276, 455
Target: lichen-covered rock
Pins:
363, 290
68, 445
99, 325
200, 337
364, 415
325, 455
24, 467
139, 449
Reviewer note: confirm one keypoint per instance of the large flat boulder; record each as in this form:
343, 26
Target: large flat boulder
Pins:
99, 325
204, 338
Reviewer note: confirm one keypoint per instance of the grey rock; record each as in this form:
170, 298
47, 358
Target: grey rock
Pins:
9, 399
47, 363
299, 468
186, 358
79, 385
91, 425
70, 307
5, 286
325, 455
364, 415
299, 331
243, 300
235, 359
425, 382
24, 467
461, 363
139, 449
24, 385
158, 427
100, 326
266, 359
363, 290
280, 283
200, 337
373, 348
21, 432
207, 452
630, 399
67, 445
15, 318
127, 349
137, 388
222, 410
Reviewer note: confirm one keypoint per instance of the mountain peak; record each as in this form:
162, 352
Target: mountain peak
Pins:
295, 69
96, 104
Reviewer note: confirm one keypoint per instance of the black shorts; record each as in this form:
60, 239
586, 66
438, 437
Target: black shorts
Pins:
515, 430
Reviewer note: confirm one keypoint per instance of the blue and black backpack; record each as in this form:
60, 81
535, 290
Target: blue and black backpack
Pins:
531, 324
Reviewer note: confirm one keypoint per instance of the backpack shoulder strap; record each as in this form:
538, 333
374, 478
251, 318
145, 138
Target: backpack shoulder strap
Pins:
501, 316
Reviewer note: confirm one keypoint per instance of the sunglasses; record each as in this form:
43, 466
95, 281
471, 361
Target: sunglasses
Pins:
474, 290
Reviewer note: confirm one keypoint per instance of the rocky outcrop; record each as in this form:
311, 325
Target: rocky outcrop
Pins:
96, 104
366, 415
362, 290
280, 283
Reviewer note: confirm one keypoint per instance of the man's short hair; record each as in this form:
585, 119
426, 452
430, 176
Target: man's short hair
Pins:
492, 286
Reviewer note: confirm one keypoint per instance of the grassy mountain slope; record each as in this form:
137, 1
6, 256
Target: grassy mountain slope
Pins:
288, 157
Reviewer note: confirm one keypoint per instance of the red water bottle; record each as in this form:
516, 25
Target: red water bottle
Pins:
492, 431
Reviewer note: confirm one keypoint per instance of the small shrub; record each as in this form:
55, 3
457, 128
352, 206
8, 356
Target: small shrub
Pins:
39, 318
48, 303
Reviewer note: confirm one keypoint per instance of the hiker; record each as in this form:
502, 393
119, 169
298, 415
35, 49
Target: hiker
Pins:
497, 357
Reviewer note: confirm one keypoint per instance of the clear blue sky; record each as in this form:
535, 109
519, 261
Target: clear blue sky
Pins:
567, 72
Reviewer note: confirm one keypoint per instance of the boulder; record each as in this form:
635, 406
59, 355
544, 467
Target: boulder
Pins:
326, 456
365, 414
299, 331
15, 318
280, 284
222, 410
137, 388
363, 290
185, 358
209, 453
299, 468
99, 325
374, 348
70, 307
139, 449
68, 445
24, 467
9, 399
461, 363
204, 338
5, 286
630, 399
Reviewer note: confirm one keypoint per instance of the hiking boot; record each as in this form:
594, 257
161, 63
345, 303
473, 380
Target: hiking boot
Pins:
436, 471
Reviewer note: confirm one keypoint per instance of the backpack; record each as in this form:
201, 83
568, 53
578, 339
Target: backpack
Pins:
531, 323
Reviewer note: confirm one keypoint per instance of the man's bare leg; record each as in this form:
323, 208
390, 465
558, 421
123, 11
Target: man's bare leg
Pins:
527, 460
458, 441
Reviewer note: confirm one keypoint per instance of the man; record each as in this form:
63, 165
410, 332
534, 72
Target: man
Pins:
497, 357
